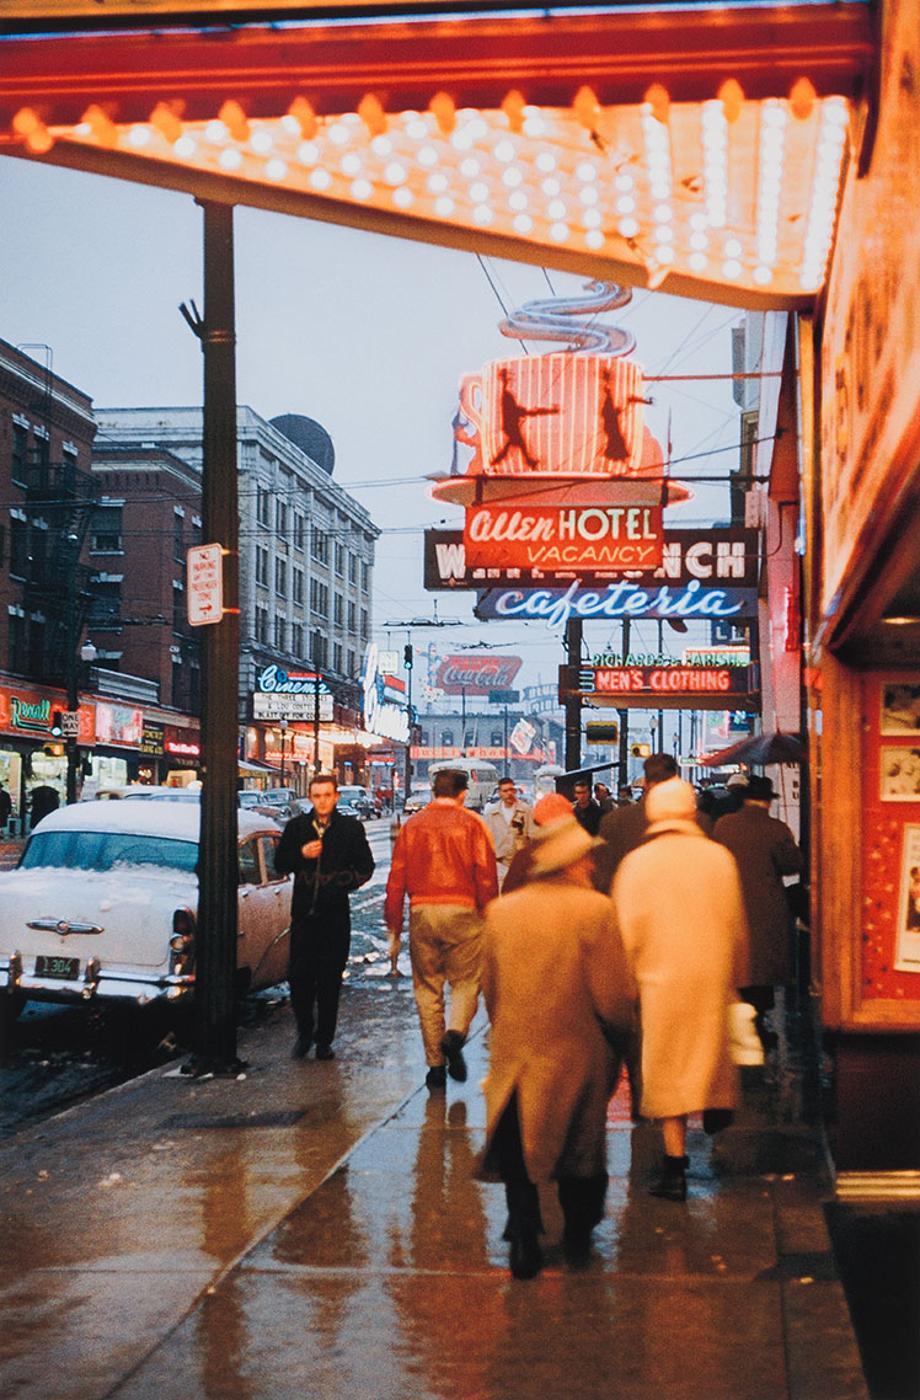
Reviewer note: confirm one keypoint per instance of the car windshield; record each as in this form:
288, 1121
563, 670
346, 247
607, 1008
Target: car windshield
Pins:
107, 850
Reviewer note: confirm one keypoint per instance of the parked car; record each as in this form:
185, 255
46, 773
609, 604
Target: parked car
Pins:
359, 798
102, 907
416, 801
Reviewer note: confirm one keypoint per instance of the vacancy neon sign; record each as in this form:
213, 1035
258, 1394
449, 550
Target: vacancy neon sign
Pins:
571, 537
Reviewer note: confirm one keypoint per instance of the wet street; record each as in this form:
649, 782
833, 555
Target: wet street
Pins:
316, 1229
59, 1055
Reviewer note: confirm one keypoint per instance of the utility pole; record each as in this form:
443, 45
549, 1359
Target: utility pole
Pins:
218, 860
463, 721
316, 685
505, 726
574, 631
282, 728
624, 714
408, 662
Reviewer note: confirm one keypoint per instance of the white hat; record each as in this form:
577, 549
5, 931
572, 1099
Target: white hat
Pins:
670, 801
560, 845
737, 780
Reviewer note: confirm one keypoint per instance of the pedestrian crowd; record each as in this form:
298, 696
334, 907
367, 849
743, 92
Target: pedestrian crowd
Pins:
603, 935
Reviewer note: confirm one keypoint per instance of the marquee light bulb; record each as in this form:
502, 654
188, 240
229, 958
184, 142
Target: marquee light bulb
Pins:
216, 132
339, 134
517, 200
261, 142
402, 197
230, 158
308, 153
362, 189
523, 223
276, 169
444, 206
559, 232
594, 238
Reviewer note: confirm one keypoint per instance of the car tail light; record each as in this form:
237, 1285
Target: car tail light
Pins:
182, 942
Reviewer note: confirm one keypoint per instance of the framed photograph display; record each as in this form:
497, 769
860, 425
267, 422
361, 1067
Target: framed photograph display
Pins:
900, 708
899, 774
907, 935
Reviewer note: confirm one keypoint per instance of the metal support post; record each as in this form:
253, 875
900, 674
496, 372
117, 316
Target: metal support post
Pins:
410, 715
507, 755
317, 681
624, 714
218, 876
574, 631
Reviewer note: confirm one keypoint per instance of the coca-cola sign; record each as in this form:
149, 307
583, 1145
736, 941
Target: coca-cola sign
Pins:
580, 537
476, 675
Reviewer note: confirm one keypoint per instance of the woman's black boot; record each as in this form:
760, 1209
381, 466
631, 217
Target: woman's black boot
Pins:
672, 1184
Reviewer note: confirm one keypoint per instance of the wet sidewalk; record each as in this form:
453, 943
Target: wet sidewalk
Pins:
315, 1231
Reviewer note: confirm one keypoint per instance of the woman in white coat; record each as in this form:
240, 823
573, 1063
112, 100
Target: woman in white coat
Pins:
678, 905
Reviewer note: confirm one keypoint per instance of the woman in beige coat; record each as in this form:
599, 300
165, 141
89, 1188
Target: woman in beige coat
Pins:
678, 906
558, 990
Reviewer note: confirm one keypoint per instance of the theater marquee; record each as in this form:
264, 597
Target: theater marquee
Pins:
674, 686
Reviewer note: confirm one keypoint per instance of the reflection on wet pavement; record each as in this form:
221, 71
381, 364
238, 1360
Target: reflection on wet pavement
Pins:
318, 1232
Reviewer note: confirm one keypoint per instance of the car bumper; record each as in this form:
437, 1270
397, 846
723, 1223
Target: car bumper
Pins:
95, 984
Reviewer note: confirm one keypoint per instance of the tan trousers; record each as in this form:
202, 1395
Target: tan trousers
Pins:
445, 945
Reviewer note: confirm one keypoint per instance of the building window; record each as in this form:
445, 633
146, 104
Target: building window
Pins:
263, 505
498, 738
352, 616
18, 644
281, 518
297, 589
364, 627
281, 577
299, 525
340, 559
178, 537
194, 687
297, 640
19, 548
262, 625
352, 568
319, 545
350, 669
20, 457
105, 605
107, 530
178, 676
179, 617
337, 609
365, 577
447, 738
279, 632
318, 648
262, 565
337, 656
319, 597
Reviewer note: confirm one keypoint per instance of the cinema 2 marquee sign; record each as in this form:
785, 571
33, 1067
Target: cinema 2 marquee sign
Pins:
662, 687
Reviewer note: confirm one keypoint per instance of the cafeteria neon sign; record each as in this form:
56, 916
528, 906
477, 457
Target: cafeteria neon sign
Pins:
623, 599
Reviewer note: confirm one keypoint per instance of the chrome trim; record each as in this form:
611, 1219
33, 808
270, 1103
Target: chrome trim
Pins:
878, 1186
47, 924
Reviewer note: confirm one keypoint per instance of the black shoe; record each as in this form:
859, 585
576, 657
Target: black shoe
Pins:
325, 1052
436, 1078
301, 1048
716, 1120
672, 1184
576, 1244
526, 1256
452, 1048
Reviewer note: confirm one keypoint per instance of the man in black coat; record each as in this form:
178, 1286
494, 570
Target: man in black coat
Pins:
623, 829
329, 857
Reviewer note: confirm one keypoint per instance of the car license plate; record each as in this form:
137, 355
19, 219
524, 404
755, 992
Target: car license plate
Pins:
68, 969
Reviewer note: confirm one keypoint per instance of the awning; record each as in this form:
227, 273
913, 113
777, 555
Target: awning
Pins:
701, 149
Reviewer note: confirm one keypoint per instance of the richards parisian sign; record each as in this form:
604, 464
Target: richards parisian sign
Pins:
726, 555
673, 685
556, 606
575, 537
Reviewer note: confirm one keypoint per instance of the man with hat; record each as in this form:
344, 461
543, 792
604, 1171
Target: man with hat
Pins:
558, 992
765, 850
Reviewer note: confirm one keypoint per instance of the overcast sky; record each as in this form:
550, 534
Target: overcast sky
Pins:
368, 335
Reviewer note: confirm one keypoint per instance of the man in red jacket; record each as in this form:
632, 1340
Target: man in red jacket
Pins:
444, 860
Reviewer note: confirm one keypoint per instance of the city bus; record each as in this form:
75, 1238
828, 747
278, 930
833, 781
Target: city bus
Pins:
482, 778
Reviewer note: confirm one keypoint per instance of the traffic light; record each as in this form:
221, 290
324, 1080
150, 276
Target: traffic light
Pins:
640, 750
408, 655
57, 724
